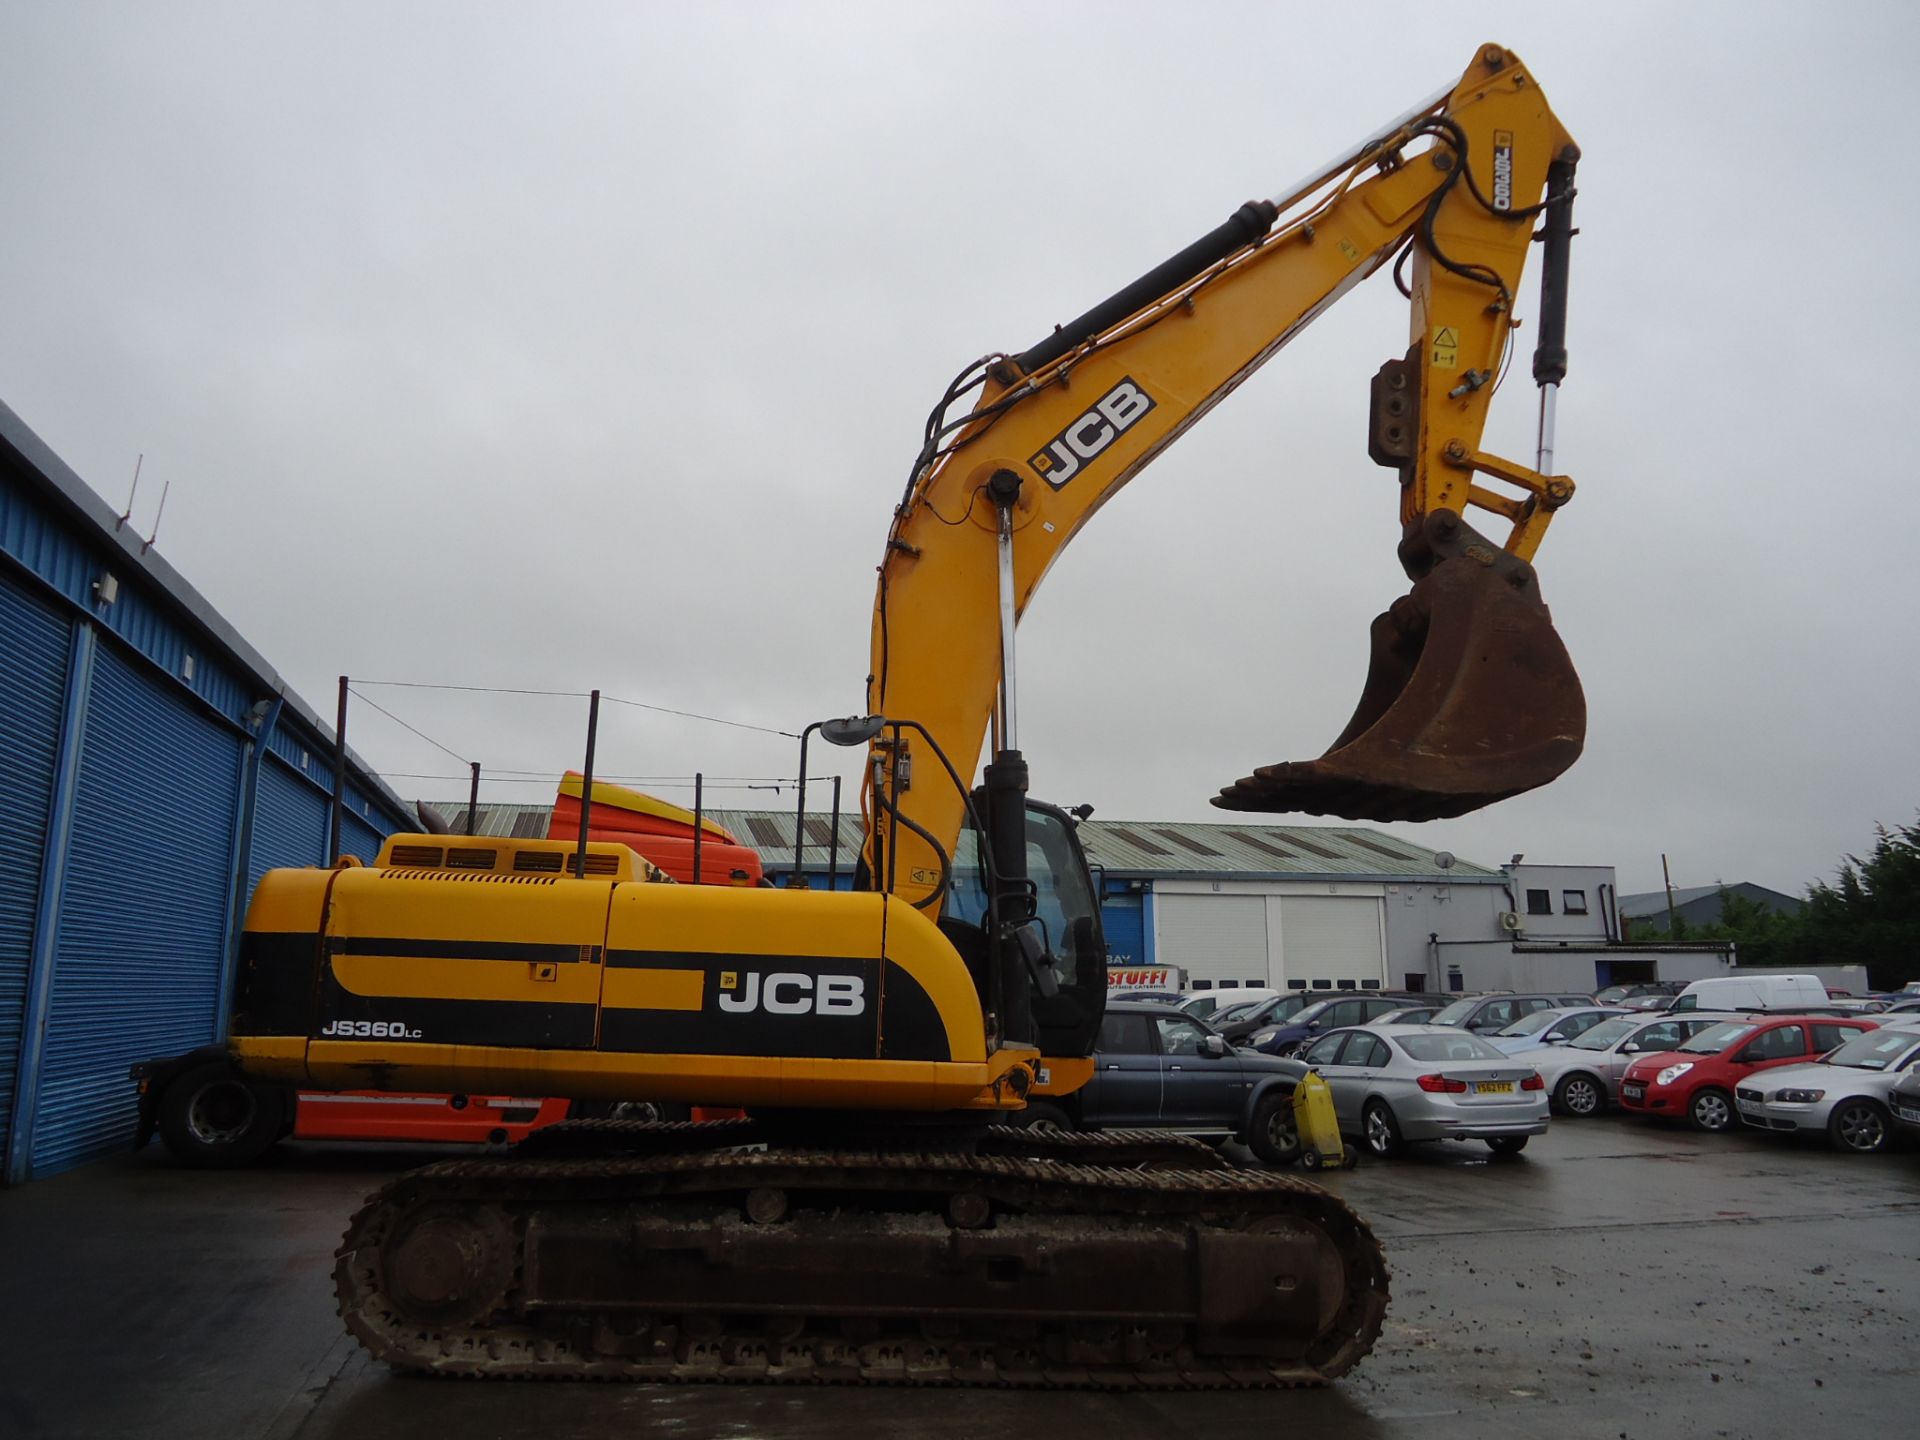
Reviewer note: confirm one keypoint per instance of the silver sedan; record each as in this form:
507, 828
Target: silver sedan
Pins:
1845, 1094
1396, 1084
1549, 1027
1583, 1075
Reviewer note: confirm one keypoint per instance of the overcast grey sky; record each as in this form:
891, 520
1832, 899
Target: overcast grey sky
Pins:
576, 345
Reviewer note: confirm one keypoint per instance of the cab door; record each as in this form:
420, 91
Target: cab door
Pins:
1770, 1049
1196, 1089
1323, 1056
1125, 1088
1365, 1064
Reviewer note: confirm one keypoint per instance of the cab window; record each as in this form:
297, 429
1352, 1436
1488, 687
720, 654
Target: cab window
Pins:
1326, 1051
1126, 1035
1776, 1044
1367, 1050
1665, 1036
1826, 1037
1179, 1035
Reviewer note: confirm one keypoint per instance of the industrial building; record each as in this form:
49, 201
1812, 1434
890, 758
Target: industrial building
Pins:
1288, 906
152, 766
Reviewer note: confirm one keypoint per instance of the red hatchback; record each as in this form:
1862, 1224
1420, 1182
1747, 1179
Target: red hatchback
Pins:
1697, 1080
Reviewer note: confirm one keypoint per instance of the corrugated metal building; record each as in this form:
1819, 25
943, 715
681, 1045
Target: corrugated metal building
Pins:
152, 765
1232, 904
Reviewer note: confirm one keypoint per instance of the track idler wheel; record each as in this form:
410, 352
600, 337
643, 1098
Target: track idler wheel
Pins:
449, 1265
1470, 696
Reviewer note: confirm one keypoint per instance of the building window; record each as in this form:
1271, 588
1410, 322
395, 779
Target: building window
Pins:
1539, 902
1573, 902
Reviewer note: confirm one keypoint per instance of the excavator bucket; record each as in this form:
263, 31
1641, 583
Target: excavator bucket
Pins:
1470, 696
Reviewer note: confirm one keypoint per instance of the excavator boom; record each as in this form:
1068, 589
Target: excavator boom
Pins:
1471, 696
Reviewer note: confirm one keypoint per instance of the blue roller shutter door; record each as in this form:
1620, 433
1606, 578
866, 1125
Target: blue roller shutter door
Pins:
289, 822
1121, 921
359, 838
33, 659
148, 889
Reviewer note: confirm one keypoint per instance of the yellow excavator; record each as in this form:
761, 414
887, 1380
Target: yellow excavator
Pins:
878, 1214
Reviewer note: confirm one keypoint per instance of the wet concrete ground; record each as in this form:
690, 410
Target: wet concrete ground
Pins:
1620, 1279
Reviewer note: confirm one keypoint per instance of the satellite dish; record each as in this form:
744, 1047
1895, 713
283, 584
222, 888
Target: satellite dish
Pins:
1444, 859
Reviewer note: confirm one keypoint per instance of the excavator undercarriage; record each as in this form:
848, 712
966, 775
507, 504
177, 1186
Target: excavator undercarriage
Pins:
1030, 1258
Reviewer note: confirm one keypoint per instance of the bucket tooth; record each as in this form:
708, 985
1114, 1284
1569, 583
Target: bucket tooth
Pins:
1470, 696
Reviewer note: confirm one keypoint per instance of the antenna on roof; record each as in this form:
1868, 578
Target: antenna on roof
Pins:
127, 514
147, 544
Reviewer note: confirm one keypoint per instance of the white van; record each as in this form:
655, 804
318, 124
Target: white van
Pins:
1752, 992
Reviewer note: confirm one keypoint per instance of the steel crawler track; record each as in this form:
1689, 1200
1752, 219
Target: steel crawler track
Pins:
907, 1267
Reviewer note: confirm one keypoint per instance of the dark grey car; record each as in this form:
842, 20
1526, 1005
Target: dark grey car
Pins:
1161, 1069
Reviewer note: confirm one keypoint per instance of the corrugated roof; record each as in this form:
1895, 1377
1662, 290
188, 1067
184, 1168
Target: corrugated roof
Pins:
1170, 847
1123, 847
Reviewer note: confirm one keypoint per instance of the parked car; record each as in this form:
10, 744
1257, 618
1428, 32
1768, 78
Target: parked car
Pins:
1549, 1027
1228, 1014
1408, 1015
1283, 1009
1493, 1012
1614, 994
1208, 1004
1583, 1075
1696, 1081
1158, 1068
1781, 993
1904, 1100
1844, 1095
1406, 1083
1316, 1019
1659, 1000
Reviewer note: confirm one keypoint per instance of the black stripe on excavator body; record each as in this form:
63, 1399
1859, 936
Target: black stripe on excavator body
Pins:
533, 952
524, 1024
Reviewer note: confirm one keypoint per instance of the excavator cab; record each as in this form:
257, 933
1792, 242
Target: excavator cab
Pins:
1056, 995
1470, 696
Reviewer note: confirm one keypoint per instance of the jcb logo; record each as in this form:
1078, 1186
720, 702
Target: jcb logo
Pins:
793, 994
1503, 170
1112, 415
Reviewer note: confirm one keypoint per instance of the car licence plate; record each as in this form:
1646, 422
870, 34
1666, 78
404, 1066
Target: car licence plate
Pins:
1633, 1092
1493, 1087
1906, 1113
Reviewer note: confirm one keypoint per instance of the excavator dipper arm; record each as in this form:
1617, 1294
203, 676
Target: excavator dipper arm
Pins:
1472, 696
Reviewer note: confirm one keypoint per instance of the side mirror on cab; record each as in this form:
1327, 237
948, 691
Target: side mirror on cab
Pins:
1214, 1047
